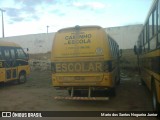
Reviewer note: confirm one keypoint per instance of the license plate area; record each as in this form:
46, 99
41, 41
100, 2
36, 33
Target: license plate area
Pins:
79, 78
73, 78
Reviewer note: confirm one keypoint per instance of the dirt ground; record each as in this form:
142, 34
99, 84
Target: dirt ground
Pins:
37, 94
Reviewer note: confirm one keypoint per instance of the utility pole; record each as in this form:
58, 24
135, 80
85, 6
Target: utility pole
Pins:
2, 22
47, 29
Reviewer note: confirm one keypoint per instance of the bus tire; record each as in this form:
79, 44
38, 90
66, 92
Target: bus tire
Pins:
76, 93
155, 104
142, 82
69, 92
22, 78
118, 81
112, 92
119, 78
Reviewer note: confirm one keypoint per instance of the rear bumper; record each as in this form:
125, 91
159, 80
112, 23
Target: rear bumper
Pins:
93, 88
99, 80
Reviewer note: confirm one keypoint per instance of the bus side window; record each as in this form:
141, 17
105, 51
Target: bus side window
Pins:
13, 56
20, 54
6, 54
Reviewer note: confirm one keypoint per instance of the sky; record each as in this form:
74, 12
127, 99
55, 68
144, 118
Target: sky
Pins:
23, 17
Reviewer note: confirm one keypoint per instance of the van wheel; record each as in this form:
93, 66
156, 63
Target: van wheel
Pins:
112, 92
155, 104
142, 82
118, 81
69, 92
119, 78
22, 78
76, 93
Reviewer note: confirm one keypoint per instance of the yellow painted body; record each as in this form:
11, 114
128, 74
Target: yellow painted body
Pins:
148, 51
14, 71
149, 75
78, 58
2, 74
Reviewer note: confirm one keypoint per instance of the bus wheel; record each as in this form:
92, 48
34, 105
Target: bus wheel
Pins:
142, 82
69, 92
156, 106
76, 93
22, 78
112, 92
118, 81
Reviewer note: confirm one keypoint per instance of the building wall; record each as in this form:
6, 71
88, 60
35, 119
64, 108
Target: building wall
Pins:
126, 37
37, 43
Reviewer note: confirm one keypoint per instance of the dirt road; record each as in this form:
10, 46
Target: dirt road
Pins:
37, 95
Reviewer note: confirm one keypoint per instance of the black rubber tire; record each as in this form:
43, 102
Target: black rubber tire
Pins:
119, 78
118, 82
76, 93
142, 82
112, 92
22, 78
69, 92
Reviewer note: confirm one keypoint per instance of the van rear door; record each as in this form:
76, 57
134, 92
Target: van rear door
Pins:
78, 56
84, 42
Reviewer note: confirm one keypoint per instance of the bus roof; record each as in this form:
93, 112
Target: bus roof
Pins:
153, 5
79, 27
11, 44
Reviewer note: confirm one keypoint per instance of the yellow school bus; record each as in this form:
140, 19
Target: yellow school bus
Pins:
13, 63
148, 51
85, 59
